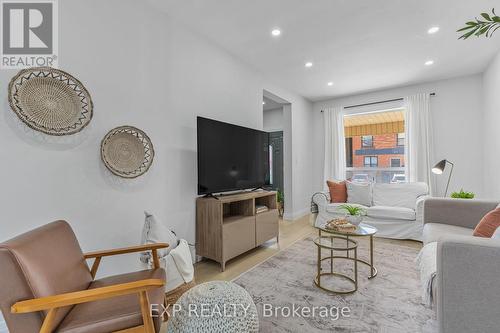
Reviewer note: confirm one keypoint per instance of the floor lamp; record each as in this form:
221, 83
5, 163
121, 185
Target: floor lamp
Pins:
439, 169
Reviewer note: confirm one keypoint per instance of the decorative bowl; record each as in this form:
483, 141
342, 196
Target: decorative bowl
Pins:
354, 219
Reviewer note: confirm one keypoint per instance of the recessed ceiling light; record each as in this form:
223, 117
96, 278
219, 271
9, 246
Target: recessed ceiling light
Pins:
433, 30
263, 103
309, 64
276, 32
330, 84
429, 62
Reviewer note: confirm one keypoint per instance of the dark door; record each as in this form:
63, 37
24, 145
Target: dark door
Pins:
276, 165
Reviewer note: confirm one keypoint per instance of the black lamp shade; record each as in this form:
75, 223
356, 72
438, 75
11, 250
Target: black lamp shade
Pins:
439, 167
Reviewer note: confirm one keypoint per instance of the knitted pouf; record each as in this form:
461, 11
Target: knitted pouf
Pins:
217, 306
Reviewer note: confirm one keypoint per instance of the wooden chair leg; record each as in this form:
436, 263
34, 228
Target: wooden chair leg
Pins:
146, 314
156, 260
49, 321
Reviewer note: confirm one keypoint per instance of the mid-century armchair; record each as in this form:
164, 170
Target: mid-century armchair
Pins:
47, 286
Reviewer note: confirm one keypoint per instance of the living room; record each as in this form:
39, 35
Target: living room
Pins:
344, 78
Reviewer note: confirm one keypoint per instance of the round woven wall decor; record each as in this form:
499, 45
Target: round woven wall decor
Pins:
127, 151
50, 100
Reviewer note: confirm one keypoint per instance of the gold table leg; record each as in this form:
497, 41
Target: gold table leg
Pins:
319, 274
373, 270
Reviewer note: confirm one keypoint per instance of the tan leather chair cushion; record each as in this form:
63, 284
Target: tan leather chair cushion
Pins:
116, 313
52, 263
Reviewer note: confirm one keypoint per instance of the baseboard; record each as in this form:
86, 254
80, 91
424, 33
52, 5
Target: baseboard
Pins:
297, 215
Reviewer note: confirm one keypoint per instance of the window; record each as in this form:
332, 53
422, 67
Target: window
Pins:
367, 141
375, 146
371, 161
395, 162
400, 137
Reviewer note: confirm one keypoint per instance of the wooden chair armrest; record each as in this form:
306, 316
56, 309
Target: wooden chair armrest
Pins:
131, 249
84, 296
124, 250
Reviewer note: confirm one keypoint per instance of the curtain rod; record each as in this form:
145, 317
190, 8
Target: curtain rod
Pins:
379, 102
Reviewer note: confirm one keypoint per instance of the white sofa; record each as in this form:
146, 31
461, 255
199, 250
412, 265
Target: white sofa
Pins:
396, 210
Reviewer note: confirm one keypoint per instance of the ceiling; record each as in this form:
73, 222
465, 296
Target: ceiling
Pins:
359, 45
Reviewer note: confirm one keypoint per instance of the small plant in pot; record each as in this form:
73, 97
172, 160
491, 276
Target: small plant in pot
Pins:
462, 195
281, 202
354, 213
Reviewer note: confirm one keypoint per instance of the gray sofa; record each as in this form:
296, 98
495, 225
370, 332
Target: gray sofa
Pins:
466, 288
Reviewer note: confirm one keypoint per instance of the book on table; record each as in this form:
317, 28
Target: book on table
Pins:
261, 208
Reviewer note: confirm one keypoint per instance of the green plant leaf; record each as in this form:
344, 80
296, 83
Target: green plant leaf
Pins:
466, 28
482, 31
467, 35
462, 195
486, 16
485, 25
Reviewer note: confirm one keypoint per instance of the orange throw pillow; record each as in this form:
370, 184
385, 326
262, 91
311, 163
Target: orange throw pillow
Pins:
488, 224
338, 191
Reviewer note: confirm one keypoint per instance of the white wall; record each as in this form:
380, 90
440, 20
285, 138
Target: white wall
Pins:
491, 102
457, 128
273, 120
297, 115
145, 70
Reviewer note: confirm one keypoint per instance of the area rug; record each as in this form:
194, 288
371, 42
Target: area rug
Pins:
391, 302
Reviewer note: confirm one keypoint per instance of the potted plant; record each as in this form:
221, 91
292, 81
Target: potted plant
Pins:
462, 195
354, 213
281, 202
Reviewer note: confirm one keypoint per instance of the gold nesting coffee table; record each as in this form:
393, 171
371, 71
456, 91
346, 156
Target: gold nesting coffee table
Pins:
329, 240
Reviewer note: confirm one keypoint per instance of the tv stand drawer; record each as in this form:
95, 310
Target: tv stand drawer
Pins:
238, 237
266, 226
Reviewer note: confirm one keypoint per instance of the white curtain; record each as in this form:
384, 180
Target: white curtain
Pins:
334, 167
418, 153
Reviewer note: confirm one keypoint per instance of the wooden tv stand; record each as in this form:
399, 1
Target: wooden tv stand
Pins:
228, 225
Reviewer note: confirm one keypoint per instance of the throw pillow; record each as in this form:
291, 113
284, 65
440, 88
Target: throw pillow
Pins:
359, 193
488, 224
154, 232
338, 191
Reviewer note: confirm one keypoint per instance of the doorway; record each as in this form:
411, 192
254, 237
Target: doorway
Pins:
276, 160
273, 123
277, 121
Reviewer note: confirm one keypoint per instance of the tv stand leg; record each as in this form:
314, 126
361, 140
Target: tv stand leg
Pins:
223, 266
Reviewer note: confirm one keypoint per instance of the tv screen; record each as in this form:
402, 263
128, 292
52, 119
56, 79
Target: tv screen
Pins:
231, 157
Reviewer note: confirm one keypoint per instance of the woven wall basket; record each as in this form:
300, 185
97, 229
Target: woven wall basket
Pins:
127, 152
51, 101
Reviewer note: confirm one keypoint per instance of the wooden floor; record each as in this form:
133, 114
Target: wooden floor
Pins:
290, 232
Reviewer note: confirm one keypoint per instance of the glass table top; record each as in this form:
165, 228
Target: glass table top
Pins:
361, 230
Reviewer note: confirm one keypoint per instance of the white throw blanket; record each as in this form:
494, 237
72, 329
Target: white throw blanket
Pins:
426, 262
183, 261
178, 265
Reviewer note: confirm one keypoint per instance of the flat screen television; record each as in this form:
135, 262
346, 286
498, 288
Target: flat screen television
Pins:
231, 157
